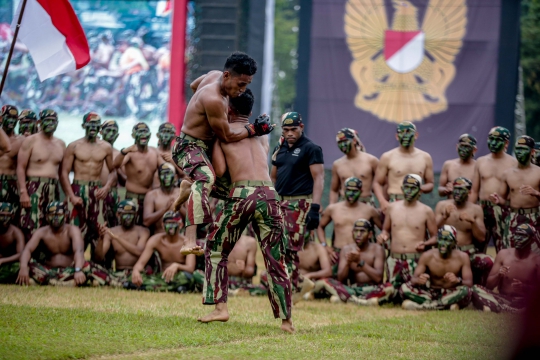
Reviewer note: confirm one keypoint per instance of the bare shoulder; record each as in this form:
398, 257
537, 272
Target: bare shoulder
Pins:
427, 255
347, 248
142, 230
74, 230
116, 229
504, 253
376, 248
29, 141
340, 161
104, 144
331, 207
59, 142
154, 240
387, 155
16, 231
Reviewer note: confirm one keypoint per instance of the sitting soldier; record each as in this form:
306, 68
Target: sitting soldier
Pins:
64, 254
242, 267
178, 273
128, 242
516, 273
314, 265
158, 201
360, 271
442, 278
11, 245
468, 219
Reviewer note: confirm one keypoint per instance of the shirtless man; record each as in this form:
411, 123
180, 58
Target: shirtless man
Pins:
109, 133
11, 245
158, 201
407, 223
516, 274
166, 133
356, 163
28, 123
87, 157
38, 170
178, 273
488, 178
8, 161
140, 162
127, 240
460, 167
206, 115
344, 214
253, 200
442, 279
64, 264
468, 220
360, 271
520, 185
241, 267
398, 162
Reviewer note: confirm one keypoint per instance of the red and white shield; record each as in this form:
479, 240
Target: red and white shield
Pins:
403, 50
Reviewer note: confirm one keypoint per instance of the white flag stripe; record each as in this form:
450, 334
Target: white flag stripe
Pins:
409, 57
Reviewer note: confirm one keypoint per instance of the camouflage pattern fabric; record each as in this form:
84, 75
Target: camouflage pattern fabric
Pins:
482, 296
90, 213
367, 291
246, 285
494, 220
400, 271
522, 216
9, 272
253, 202
9, 192
119, 277
111, 206
44, 275
395, 197
436, 299
181, 282
139, 199
481, 264
41, 191
191, 155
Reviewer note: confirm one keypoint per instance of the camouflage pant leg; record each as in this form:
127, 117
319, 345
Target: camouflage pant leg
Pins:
96, 274
482, 296
119, 277
9, 192
157, 283
111, 205
9, 273
89, 214
192, 158
383, 292
139, 199
399, 272
495, 222
221, 188
481, 265
436, 299
515, 219
45, 275
41, 193
236, 282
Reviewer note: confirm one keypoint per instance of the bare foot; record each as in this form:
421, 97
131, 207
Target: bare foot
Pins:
287, 326
191, 248
185, 191
220, 313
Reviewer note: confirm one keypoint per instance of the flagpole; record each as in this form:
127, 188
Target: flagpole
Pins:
4, 75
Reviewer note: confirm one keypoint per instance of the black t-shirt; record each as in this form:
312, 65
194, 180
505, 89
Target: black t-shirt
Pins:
292, 163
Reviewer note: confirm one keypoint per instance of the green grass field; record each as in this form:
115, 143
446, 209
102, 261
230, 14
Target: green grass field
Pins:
105, 323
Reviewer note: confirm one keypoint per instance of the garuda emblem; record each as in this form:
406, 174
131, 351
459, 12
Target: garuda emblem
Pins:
402, 72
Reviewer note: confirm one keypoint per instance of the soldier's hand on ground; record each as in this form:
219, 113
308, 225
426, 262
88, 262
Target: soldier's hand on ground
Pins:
24, 200
503, 271
169, 273
494, 198
23, 278
261, 126
528, 190
240, 264
76, 201
423, 278
466, 217
421, 246
353, 257
449, 209
79, 278
166, 156
451, 278
136, 278
313, 217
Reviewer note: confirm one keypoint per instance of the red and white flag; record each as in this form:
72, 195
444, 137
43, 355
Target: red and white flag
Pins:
55, 38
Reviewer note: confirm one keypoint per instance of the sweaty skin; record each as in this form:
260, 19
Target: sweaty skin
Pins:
370, 273
489, 174
467, 218
140, 164
442, 272
242, 258
40, 155
314, 262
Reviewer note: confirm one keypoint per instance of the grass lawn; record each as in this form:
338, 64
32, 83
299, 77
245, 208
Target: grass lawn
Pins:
103, 323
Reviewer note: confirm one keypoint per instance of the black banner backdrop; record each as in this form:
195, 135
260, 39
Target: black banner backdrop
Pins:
370, 64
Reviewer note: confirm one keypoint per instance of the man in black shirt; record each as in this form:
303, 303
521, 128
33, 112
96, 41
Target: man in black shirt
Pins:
298, 175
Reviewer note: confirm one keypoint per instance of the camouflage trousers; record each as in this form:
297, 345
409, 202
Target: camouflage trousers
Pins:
119, 277
517, 217
139, 199
236, 282
41, 191
400, 269
9, 192
295, 210
90, 213
436, 299
395, 197
44, 275
334, 287
494, 219
191, 155
482, 296
9, 272
254, 202
481, 264
111, 205
181, 282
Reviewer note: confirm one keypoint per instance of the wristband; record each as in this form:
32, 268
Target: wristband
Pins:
122, 152
361, 263
324, 244
78, 269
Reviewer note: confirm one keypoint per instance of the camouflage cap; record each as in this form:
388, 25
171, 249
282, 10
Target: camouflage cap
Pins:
48, 114
449, 231
108, 124
525, 229
291, 119
166, 166
463, 182
467, 139
172, 215
500, 132
139, 126
6, 207
9, 111
525, 140
56, 207
406, 125
412, 179
346, 134
28, 114
127, 205
353, 182
91, 116
167, 126
363, 223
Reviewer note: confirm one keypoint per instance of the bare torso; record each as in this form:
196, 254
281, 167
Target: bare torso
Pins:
457, 168
362, 166
161, 201
464, 228
356, 274
105, 171
46, 154
515, 178
8, 161
169, 251
522, 269
437, 267
408, 226
59, 247
89, 158
239, 255
491, 172
309, 258
344, 215
140, 168
401, 163
123, 258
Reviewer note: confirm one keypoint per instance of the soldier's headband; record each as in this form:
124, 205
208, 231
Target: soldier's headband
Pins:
447, 231
501, 132
363, 223
412, 179
109, 124
463, 182
467, 139
291, 119
406, 125
525, 140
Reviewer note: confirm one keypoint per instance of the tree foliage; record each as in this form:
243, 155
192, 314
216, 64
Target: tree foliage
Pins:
530, 61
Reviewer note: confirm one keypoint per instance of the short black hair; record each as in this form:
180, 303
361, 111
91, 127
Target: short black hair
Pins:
241, 64
243, 104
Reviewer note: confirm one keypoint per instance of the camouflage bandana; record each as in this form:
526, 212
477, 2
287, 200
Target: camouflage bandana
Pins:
48, 114
523, 236
91, 116
171, 228
363, 224
406, 125
446, 240
463, 182
412, 179
345, 138
352, 189
167, 126
291, 119
9, 111
467, 139
127, 205
172, 215
166, 133
500, 131
56, 207
411, 187
523, 149
6, 207
27, 122
406, 131
109, 124
526, 140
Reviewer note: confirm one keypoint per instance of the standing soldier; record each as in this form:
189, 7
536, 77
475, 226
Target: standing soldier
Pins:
298, 175
8, 161
28, 122
460, 167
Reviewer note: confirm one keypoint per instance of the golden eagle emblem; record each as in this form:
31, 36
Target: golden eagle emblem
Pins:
402, 72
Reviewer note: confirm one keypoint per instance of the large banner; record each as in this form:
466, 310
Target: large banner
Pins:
375, 63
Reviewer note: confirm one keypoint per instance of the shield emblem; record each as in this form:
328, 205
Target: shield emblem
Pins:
403, 50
